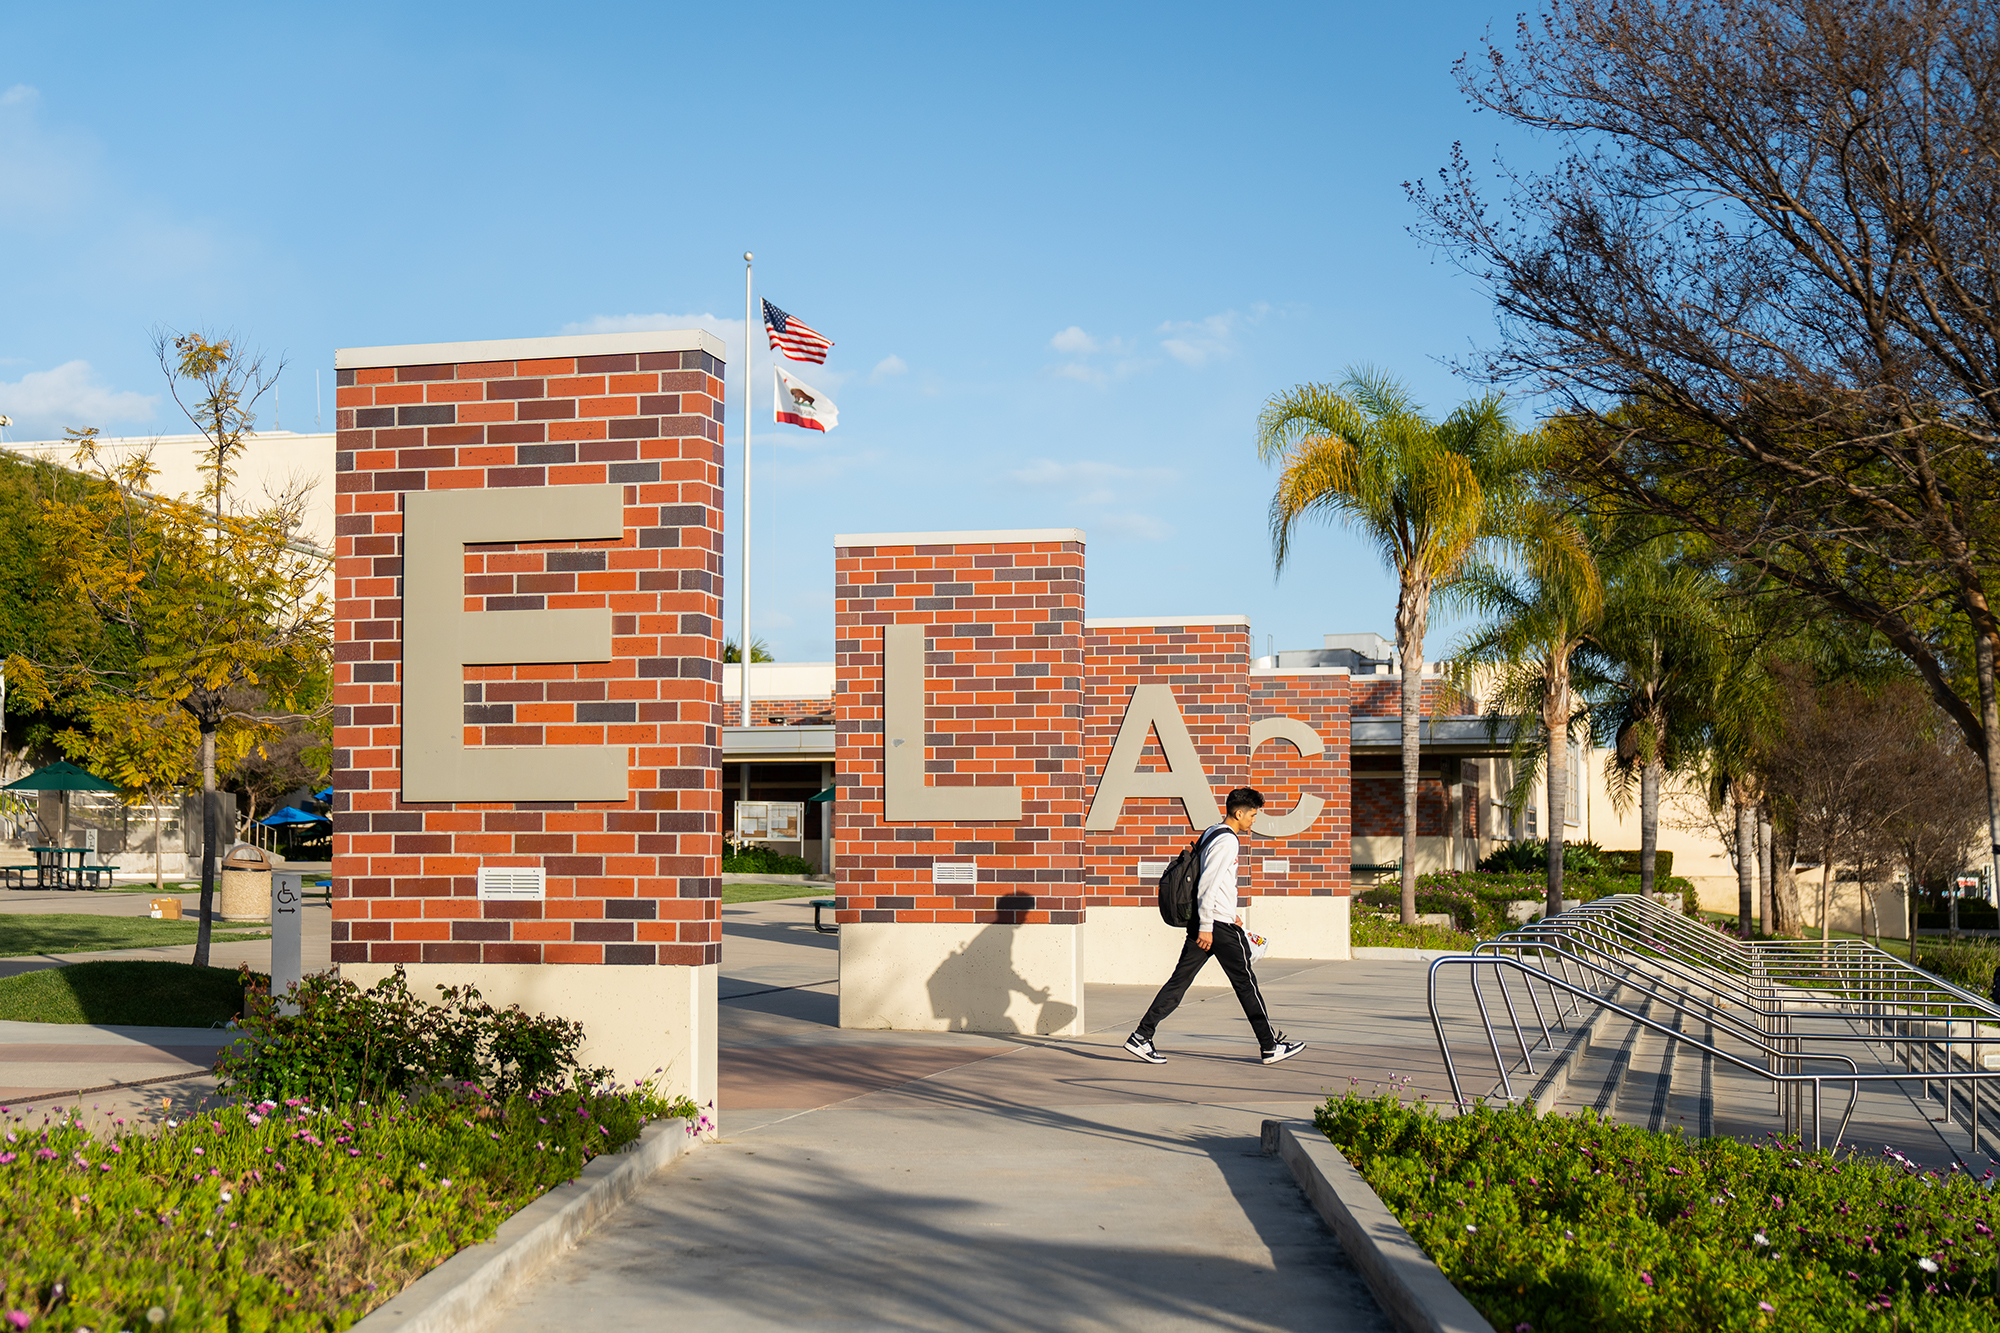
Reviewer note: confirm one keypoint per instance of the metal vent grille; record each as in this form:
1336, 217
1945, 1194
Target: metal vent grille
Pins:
954, 872
1277, 867
513, 883
1152, 869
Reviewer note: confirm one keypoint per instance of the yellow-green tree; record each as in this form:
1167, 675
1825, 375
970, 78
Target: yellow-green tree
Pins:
218, 614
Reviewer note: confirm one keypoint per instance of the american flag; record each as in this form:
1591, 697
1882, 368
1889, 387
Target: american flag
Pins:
793, 338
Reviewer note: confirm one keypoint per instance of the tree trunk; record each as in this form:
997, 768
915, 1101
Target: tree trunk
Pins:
159, 835
1649, 821
1412, 615
1767, 887
211, 833
1788, 919
1989, 721
1555, 725
1825, 905
1746, 862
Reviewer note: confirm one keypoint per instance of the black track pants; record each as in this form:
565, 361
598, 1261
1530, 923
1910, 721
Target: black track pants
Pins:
1232, 950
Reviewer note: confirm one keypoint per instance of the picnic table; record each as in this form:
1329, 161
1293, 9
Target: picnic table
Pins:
57, 868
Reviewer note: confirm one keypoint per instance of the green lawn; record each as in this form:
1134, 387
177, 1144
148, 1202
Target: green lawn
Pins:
124, 990
760, 893
73, 932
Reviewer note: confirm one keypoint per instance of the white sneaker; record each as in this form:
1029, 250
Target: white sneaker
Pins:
1142, 1048
1284, 1050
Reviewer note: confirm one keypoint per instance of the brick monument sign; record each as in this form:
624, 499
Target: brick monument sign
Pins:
528, 587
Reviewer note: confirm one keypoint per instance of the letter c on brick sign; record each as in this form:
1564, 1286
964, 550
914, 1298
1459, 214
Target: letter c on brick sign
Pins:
1152, 709
1301, 816
907, 796
441, 638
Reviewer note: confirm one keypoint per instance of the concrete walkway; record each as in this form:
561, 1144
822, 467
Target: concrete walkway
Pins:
890, 1180
135, 1073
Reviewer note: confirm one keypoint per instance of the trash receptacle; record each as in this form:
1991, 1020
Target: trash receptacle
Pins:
246, 884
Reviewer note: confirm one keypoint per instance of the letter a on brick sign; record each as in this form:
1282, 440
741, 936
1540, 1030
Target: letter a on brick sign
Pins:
441, 638
907, 797
1151, 710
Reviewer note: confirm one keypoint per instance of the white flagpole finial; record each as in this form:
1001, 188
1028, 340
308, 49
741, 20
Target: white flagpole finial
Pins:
746, 256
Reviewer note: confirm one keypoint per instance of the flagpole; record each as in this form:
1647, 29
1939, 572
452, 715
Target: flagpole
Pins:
749, 396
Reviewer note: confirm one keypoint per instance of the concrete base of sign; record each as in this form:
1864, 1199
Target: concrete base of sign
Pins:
635, 1019
1302, 927
1129, 946
962, 977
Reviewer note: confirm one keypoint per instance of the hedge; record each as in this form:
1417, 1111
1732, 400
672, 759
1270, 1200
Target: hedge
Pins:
1558, 1224
1477, 899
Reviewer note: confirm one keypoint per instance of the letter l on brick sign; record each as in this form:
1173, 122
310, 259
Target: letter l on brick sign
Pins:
907, 798
441, 638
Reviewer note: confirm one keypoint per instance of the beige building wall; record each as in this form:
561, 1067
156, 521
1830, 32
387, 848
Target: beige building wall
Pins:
272, 464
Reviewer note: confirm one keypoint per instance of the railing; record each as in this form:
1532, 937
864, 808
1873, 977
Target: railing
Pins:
1781, 1004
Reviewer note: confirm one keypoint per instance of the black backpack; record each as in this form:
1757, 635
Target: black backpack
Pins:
1181, 880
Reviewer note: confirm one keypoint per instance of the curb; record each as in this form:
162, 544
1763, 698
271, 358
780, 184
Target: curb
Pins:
1411, 1290
460, 1294
1381, 953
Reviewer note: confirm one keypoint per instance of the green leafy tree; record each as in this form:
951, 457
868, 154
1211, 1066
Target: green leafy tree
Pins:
1539, 620
1423, 493
217, 608
1653, 671
759, 651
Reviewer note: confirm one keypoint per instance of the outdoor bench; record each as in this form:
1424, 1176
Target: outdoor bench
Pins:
823, 905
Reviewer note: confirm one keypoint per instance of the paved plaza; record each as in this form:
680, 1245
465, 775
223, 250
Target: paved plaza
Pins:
880, 1179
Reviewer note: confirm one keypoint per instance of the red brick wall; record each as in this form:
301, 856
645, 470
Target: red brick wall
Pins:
1207, 667
763, 710
1005, 662
635, 882
1378, 802
1382, 696
1320, 858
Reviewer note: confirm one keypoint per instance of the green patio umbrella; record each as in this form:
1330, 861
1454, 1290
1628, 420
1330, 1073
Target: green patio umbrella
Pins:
65, 777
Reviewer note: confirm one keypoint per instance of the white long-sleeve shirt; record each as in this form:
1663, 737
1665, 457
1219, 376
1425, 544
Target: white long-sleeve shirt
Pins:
1215, 899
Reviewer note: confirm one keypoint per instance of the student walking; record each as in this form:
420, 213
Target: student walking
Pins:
1216, 930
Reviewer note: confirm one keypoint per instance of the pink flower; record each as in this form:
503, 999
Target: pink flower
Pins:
1767, 1307
1646, 1278
20, 1318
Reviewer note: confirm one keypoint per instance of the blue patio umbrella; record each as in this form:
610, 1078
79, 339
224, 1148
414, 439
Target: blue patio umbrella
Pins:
291, 815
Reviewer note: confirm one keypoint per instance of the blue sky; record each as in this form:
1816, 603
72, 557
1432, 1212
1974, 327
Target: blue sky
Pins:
1065, 252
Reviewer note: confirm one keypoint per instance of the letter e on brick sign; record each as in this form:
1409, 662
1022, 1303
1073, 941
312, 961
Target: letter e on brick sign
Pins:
441, 638
1307, 812
1152, 710
907, 796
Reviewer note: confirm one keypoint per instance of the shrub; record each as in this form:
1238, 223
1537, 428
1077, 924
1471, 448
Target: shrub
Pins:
753, 859
1627, 862
1582, 857
347, 1043
1477, 900
1573, 1225
1968, 964
280, 1217
1368, 930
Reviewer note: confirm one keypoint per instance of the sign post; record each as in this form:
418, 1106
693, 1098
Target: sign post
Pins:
287, 918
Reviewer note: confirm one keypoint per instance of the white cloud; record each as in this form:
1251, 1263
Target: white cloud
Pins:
50, 175
889, 366
1074, 341
1138, 527
729, 330
44, 402
1196, 342
1089, 482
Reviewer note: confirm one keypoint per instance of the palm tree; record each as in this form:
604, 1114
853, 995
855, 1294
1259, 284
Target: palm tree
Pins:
1654, 667
1539, 618
1423, 493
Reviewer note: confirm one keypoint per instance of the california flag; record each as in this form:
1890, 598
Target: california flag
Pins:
793, 400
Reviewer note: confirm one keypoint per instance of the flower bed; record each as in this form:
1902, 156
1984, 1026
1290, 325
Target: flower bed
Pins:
278, 1216
1554, 1224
